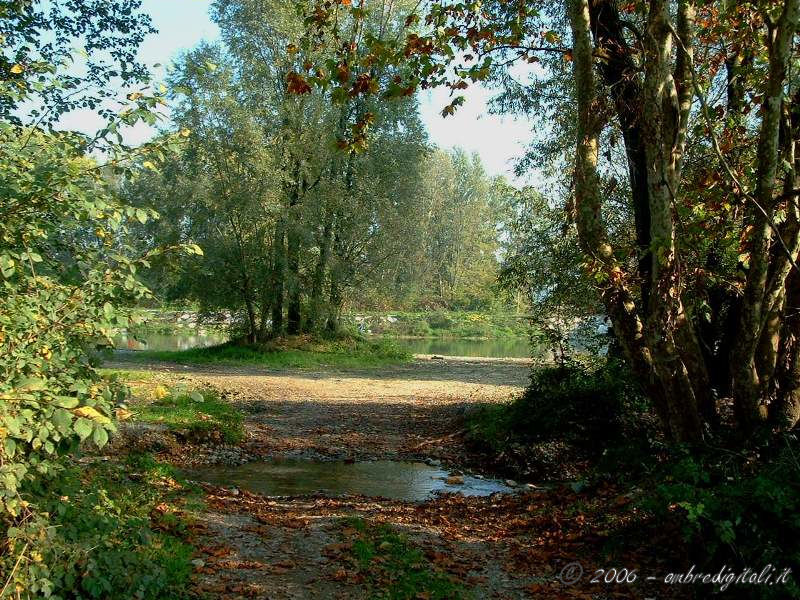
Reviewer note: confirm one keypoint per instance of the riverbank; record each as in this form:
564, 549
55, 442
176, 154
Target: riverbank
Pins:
449, 546
284, 353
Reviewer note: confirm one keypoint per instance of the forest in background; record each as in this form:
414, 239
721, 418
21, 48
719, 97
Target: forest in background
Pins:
293, 228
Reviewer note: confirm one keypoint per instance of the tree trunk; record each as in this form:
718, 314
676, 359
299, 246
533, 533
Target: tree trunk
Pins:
293, 313
335, 297
278, 275
762, 291
318, 283
651, 345
620, 76
784, 412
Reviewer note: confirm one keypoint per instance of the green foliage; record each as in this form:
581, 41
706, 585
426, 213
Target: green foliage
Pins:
40, 38
541, 260
104, 537
199, 414
742, 510
572, 411
396, 569
587, 402
64, 272
300, 353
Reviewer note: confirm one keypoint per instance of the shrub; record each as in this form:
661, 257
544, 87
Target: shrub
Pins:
108, 536
737, 510
440, 320
64, 273
571, 411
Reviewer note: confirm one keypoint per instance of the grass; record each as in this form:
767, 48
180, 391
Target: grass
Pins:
115, 531
129, 376
395, 568
300, 352
202, 415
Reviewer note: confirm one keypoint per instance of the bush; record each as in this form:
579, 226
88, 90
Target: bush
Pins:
440, 320
571, 412
738, 510
108, 536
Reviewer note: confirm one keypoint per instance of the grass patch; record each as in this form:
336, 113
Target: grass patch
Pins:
300, 352
129, 376
115, 531
201, 415
395, 568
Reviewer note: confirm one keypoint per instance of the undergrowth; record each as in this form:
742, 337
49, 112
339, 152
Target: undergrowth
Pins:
199, 415
115, 530
395, 568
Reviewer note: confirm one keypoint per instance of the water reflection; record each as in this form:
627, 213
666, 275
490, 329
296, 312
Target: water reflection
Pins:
178, 341
496, 348
411, 481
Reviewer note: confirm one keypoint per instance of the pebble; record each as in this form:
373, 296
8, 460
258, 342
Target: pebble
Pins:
454, 480
511, 483
198, 562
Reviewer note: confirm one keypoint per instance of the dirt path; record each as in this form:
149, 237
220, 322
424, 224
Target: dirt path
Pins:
391, 412
505, 547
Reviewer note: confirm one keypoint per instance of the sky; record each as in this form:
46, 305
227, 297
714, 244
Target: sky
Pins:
182, 24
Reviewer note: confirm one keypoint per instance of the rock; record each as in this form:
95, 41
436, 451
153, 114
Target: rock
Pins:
454, 480
198, 562
511, 483
235, 491
433, 462
578, 486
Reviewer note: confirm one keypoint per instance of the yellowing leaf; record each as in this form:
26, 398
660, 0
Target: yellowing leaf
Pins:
149, 165
91, 413
160, 392
17, 69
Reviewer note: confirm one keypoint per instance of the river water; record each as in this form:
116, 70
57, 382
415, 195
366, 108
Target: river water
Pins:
494, 348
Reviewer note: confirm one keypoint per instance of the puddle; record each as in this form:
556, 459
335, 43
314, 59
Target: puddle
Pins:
411, 481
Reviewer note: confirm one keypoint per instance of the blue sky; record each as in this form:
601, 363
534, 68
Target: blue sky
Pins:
184, 23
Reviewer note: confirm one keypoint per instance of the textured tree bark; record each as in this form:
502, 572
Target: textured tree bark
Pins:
278, 275
665, 131
784, 411
592, 236
619, 73
762, 291
662, 347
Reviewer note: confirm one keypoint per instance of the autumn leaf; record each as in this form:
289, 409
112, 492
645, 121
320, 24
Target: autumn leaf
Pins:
91, 413
296, 84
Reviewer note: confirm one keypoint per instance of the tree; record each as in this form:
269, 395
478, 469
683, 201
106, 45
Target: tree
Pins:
66, 272
642, 73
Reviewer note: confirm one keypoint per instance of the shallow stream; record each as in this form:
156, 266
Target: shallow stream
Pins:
410, 481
